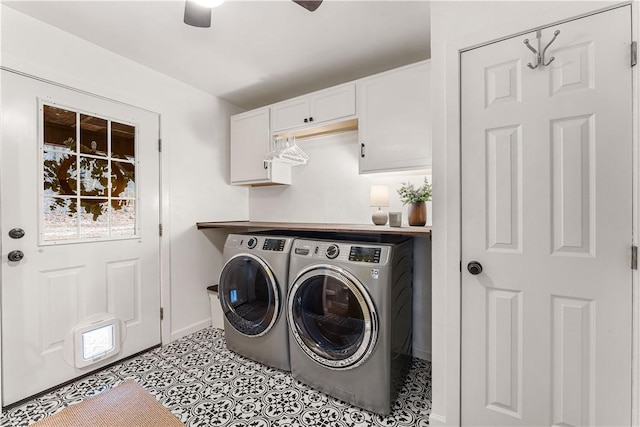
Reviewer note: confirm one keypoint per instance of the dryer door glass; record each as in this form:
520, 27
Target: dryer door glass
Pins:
249, 295
333, 321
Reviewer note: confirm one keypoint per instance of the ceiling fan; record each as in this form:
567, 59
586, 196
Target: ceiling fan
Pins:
197, 14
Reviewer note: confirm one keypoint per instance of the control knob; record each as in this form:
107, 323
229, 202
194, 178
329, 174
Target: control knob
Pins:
332, 251
252, 242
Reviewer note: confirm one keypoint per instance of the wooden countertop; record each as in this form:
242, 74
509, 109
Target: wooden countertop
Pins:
309, 226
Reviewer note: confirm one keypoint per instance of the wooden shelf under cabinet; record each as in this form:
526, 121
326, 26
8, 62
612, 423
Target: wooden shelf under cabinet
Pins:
321, 227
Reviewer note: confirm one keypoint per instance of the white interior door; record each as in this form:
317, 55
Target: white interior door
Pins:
80, 176
546, 211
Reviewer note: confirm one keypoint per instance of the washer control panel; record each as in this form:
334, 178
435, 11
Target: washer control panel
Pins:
259, 243
365, 254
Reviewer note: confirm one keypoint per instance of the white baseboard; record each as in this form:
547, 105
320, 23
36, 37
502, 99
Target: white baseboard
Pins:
437, 420
422, 353
175, 335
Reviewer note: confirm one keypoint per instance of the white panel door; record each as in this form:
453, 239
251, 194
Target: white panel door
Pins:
89, 207
546, 211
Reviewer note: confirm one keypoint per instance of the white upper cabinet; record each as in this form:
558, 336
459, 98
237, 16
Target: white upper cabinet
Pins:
394, 119
250, 141
319, 107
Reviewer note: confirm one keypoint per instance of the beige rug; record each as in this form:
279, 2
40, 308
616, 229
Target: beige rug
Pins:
126, 405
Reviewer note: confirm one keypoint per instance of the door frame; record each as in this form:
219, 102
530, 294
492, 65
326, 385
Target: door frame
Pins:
446, 317
163, 193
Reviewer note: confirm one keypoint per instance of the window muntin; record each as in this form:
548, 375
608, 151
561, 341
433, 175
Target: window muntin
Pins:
88, 177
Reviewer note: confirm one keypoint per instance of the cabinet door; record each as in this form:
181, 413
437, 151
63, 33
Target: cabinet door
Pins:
290, 114
250, 138
318, 107
332, 104
394, 113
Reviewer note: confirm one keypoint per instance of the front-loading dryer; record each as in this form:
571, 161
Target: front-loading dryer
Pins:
349, 310
252, 291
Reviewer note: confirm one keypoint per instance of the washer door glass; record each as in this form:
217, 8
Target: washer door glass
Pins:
332, 316
249, 295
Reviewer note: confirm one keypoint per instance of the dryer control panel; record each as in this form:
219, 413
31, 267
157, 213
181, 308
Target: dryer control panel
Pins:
346, 252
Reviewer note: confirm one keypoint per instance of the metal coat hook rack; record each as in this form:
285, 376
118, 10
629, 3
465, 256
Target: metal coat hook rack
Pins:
539, 56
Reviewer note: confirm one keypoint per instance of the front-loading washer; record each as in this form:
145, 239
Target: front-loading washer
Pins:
252, 291
350, 319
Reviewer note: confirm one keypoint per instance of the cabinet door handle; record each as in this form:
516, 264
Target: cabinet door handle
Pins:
266, 165
310, 119
306, 120
361, 150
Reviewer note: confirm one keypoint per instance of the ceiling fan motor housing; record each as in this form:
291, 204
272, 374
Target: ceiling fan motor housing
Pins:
197, 15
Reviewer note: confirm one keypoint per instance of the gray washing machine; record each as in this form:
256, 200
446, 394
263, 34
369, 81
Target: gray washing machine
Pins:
253, 291
349, 310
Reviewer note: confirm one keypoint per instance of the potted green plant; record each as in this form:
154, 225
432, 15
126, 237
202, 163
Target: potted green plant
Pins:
415, 198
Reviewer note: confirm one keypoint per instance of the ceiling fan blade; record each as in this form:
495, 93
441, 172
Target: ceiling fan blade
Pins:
309, 5
196, 15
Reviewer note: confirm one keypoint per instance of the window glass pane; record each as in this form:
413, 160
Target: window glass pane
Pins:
123, 179
123, 218
59, 173
93, 135
123, 141
60, 219
94, 218
59, 129
94, 177
90, 194
97, 342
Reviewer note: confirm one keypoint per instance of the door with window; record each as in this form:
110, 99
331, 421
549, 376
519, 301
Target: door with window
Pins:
546, 227
80, 245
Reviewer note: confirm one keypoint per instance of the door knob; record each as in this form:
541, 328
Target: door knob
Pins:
474, 267
15, 256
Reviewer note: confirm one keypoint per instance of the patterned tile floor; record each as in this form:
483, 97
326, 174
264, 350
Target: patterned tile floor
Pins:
204, 384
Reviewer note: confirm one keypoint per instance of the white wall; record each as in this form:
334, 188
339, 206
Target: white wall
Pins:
328, 189
454, 26
194, 127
